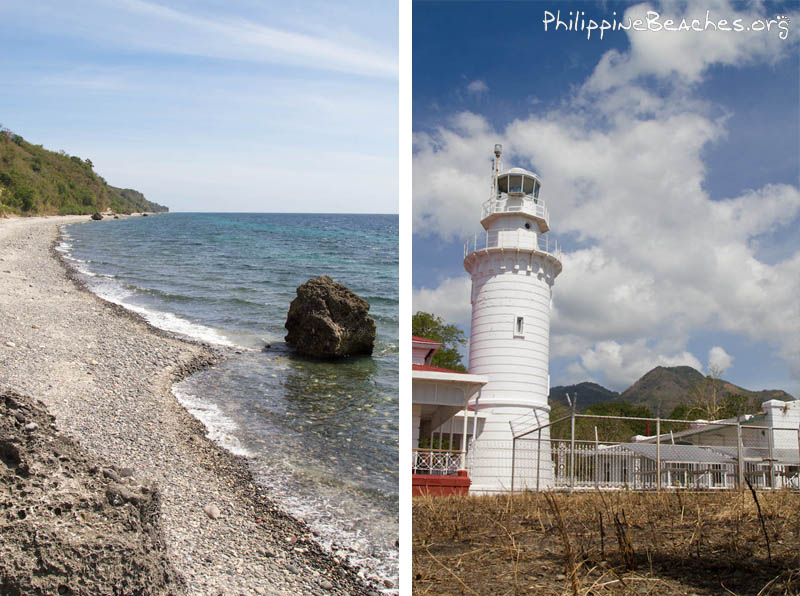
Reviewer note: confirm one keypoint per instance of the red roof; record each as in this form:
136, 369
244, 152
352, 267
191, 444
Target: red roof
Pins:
435, 369
423, 339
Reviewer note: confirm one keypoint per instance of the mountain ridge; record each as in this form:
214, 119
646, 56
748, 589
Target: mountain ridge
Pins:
662, 387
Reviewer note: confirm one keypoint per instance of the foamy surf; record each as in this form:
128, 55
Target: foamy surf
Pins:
106, 287
221, 429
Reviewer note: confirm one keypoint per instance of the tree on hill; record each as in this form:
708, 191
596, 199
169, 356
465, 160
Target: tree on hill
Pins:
430, 326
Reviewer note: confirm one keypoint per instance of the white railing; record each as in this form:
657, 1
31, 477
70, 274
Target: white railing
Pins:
528, 205
610, 465
441, 462
513, 239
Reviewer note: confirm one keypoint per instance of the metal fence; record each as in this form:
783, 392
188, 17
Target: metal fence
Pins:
708, 456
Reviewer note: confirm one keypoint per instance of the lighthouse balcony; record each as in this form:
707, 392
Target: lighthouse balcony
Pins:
513, 239
518, 205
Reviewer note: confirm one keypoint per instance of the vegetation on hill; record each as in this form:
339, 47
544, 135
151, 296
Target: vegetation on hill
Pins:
607, 430
35, 181
430, 326
683, 392
586, 392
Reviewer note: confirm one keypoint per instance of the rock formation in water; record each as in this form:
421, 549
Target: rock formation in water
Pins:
327, 320
68, 523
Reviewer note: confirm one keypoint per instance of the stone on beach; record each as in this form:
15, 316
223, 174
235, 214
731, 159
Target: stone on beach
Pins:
212, 511
327, 320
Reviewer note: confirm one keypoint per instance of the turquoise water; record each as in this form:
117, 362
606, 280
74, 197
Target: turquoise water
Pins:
320, 436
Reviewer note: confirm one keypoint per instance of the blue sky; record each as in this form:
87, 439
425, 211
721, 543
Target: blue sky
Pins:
208, 105
670, 165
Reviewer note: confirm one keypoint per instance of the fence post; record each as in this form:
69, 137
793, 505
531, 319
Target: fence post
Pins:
739, 450
572, 445
513, 460
596, 461
770, 442
539, 458
658, 451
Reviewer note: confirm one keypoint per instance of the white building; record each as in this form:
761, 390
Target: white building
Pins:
513, 266
439, 445
770, 443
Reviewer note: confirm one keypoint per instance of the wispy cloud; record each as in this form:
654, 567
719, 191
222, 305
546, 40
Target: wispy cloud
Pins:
477, 87
247, 40
154, 27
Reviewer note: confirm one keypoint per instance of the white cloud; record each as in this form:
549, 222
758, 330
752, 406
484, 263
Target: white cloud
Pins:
686, 55
623, 172
477, 87
622, 364
450, 300
719, 359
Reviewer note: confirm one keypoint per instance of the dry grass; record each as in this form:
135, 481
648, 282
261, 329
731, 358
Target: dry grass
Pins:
608, 543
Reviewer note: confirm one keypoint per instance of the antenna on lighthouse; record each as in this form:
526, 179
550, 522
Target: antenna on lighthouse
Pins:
498, 150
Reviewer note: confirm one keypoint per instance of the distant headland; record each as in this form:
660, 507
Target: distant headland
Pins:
36, 181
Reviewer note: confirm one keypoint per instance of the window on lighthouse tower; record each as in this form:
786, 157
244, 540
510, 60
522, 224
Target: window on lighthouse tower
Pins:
519, 327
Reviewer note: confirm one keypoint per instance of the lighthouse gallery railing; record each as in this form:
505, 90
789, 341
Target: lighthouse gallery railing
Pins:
504, 204
512, 239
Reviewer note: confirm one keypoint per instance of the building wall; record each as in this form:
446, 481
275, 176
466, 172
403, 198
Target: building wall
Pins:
786, 415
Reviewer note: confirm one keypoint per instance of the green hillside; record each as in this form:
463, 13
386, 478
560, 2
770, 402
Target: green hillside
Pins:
677, 385
586, 392
35, 181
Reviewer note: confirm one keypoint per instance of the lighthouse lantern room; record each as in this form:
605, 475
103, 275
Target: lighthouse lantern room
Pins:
513, 267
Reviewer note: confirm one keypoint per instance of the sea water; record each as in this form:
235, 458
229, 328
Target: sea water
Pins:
322, 437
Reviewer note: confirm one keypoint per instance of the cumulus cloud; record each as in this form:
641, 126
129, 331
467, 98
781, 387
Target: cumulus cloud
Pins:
623, 173
719, 359
622, 364
686, 56
450, 300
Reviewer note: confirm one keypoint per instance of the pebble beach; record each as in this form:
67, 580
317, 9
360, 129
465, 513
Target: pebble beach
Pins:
106, 376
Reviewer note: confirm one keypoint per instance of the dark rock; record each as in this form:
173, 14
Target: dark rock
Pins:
111, 475
97, 217
119, 494
327, 320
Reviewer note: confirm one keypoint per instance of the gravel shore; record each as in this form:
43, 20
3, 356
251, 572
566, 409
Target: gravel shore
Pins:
106, 375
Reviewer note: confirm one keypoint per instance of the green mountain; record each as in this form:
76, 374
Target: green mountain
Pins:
35, 181
672, 386
586, 392
668, 386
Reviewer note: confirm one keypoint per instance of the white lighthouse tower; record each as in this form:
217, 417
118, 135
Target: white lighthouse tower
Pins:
513, 268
